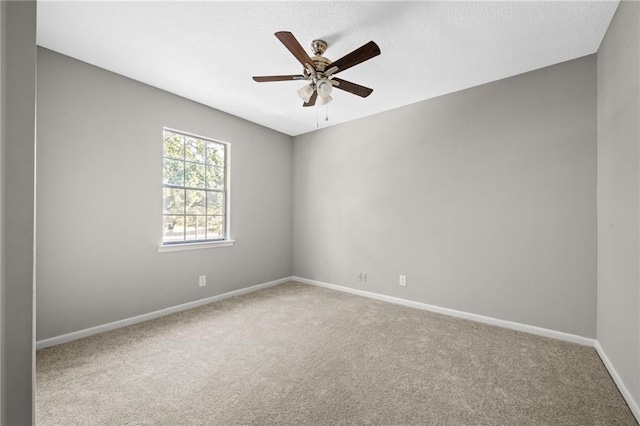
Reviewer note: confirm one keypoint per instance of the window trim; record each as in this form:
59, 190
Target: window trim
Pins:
165, 248
202, 244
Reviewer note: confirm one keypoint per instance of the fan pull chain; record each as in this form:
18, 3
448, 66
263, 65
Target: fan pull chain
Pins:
317, 116
326, 113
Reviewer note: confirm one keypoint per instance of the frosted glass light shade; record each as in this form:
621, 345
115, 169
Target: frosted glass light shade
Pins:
324, 88
305, 92
323, 100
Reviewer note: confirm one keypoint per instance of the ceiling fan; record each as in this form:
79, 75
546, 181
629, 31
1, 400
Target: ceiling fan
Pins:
319, 72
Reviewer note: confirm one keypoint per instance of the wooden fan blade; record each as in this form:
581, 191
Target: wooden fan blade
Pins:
361, 54
312, 100
350, 87
267, 78
294, 47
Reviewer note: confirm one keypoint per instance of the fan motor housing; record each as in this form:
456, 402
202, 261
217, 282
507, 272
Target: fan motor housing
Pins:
320, 62
318, 47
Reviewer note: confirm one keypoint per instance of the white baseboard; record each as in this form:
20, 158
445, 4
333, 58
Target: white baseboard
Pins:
633, 405
45, 343
567, 337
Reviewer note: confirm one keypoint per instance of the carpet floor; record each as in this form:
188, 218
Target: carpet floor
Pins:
296, 354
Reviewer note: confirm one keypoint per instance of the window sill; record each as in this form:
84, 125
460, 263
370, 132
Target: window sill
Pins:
194, 246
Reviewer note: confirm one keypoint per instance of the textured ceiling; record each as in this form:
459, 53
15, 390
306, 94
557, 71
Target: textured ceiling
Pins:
208, 51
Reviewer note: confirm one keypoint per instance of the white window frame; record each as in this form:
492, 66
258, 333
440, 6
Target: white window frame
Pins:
194, 245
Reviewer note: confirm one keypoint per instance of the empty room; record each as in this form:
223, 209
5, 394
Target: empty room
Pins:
319, 213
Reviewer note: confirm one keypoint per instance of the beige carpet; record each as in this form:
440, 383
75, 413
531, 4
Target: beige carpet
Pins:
301, 355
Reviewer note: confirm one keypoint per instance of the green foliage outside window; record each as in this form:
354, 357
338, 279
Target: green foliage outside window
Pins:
194, 193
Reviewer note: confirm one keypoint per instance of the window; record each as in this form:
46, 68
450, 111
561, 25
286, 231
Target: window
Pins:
194, 189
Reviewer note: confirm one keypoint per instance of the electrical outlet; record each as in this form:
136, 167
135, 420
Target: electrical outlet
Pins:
359, 278
364, 277
202, 281
403, 280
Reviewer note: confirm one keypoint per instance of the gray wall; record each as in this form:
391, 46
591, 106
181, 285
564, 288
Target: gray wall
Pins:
99, 203
18, 149
485, 199
619, 195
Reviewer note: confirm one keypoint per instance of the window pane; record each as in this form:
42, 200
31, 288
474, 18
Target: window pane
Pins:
215, 203
173, 172
190, 229
202, 228
173, 145
215, 154
173, 200
173, 228
196, 202
194, 188
215, 178
194, 150
194, 175
215, 228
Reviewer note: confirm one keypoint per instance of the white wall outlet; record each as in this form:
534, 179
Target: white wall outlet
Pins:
364, 277
359, 278
403, 280
202, 281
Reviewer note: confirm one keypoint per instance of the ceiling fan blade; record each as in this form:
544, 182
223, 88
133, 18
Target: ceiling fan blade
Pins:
266, 78
312, 100
294, 47
361, 54
350, 87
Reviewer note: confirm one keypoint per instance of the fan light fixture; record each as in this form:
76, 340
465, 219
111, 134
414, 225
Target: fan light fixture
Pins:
323, 100
324, 88
305, 92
